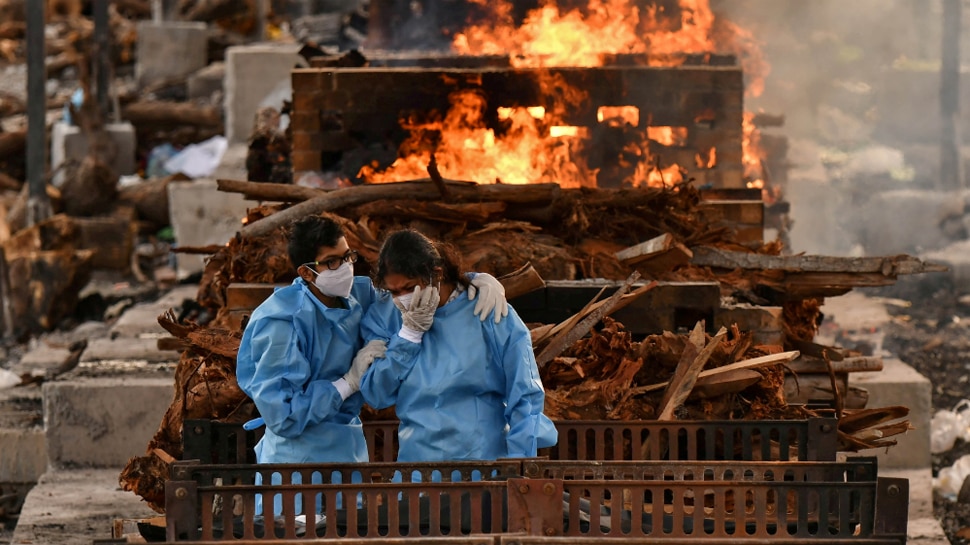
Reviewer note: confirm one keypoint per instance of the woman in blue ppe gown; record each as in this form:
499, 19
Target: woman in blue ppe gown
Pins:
464, 389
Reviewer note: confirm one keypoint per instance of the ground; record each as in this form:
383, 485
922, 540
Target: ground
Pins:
933, 336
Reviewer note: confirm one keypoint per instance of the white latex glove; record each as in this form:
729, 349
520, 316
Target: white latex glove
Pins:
365, 356
419, 316
491, 297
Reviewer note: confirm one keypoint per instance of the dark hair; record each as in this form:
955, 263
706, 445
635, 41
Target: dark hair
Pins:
308, 235
411, 254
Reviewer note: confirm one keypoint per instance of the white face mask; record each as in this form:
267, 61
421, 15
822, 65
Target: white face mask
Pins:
404, 301
336, 283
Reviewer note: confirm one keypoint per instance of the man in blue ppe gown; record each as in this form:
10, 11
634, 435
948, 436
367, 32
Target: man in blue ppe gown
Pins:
464, 389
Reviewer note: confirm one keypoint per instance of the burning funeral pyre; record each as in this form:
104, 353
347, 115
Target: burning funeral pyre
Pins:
631, 166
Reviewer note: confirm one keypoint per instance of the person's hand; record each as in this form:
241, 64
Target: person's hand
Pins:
419, 315
365, 356
491, 297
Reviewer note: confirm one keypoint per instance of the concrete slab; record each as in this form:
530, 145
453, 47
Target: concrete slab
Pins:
233, 165
127, 350
23, 455
139, 321
900, 384
40, 360
67, 143
176, 295
75, 507
252, 73
170, 49
202, 215
102, 422
858, 318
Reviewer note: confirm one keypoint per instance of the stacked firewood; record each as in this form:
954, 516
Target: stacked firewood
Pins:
591, 366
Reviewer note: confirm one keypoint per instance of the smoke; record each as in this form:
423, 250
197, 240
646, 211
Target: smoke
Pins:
858, 82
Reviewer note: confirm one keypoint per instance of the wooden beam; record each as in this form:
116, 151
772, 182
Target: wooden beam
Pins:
706, 256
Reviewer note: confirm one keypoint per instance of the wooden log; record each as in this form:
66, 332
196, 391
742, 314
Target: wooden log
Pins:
211, 10
459, 213
353, 196
110, 238
807, 388
814, 350
528, 194
852, 364
57, 233
90, 188
172, 113
522, 281
657, 255
55, 278
12, 143
706, 256
258, 191
150, 199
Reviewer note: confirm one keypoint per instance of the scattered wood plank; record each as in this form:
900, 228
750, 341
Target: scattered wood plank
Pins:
689, 366
158, 113
725, 383
753, 363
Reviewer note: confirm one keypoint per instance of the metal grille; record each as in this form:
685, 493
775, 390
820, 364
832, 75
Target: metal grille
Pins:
715, 501
811, 439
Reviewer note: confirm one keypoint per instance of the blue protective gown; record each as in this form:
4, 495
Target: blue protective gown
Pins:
469, 391
291, 352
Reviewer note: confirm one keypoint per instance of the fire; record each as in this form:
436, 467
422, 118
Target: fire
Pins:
550, 36
753, 155
466, 149
537, 143
668, 136
619, 115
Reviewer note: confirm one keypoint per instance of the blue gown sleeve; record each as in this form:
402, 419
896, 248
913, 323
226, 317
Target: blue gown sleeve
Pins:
529, 428
279, 385
383, 379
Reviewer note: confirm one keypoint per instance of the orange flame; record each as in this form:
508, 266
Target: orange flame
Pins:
536, 144
668, 136
753, 155
466, 149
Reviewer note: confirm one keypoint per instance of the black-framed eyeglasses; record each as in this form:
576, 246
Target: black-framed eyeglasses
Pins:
334, 263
